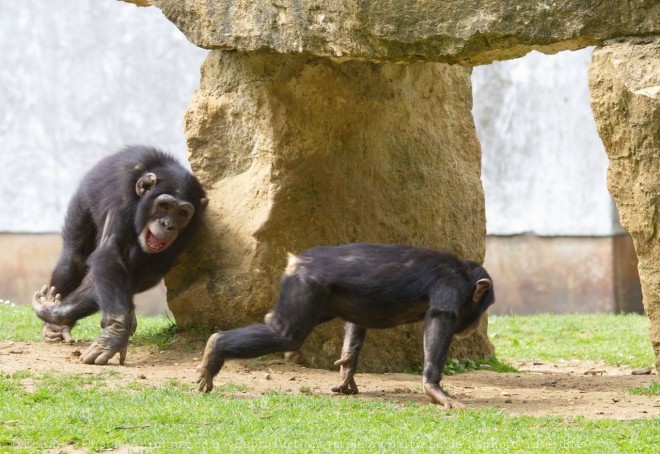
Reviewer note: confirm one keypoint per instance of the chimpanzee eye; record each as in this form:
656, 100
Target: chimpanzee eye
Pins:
183, 213
163, 206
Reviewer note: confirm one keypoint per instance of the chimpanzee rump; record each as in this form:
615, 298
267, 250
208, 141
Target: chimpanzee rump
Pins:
369, 286
132, 215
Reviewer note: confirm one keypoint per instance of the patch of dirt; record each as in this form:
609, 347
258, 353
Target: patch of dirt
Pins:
570, 389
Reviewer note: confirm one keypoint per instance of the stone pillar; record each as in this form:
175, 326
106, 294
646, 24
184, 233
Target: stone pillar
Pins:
625, 96
298, 151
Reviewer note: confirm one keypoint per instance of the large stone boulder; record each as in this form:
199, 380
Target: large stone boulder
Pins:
466, 31
625, 96
306, 132
297, 152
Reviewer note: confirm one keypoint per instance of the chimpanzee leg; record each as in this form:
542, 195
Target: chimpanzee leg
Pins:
438, 333
287, 326
113, 296
247, 342
61, 315
78, 238
353, 340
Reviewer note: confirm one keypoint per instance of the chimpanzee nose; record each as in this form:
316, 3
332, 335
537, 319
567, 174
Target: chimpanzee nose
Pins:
167, 224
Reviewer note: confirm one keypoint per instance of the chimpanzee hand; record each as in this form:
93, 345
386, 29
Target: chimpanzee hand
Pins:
116, 332
211, 364
348, 385
43, 303
56, 333
438, 396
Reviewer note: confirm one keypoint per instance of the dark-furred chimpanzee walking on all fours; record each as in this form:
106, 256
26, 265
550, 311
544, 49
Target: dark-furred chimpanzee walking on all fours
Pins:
132, 215
369, 286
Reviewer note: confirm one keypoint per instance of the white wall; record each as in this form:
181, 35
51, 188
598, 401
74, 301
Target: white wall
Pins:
78, 80
544, 166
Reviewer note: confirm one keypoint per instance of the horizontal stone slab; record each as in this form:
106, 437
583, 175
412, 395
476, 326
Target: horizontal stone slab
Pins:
468, 32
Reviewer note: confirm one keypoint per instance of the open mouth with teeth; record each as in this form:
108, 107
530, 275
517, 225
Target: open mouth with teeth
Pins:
152, 244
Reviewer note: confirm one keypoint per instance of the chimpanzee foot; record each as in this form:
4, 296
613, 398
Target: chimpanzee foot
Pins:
56, 333
294, 357
211, 364
113, 340
44, 302
438, 396
348, 385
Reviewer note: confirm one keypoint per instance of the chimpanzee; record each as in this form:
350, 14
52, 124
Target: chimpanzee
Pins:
132, 215
369, 286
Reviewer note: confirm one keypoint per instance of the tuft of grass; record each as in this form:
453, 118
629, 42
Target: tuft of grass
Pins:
614, 338
653, 390
456, 366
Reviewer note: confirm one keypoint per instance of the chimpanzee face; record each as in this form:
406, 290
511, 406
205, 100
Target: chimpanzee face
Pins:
166, 216
169, 216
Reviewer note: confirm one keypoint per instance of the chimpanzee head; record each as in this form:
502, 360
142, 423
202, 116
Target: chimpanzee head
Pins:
482, 297
167, 206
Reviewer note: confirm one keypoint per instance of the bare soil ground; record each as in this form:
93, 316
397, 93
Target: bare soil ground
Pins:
573, 388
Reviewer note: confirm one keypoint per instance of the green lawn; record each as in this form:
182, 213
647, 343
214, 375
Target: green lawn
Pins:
40, 411
615, 338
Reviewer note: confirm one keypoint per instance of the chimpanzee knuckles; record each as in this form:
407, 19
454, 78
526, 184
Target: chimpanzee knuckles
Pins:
113, 340
99, 354
56, 333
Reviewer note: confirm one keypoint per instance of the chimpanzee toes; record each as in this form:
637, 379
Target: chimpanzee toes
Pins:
348, 387
45, 297
205, 381
438, 396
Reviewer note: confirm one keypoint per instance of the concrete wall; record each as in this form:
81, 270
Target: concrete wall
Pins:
78, 80
555, 243
544, 165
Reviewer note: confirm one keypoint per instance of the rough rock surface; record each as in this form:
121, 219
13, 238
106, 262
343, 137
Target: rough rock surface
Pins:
297, 152
467, 31
625, 96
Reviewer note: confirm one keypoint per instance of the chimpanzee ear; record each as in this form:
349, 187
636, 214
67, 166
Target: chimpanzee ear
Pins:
480, 288
203, 202
146, 182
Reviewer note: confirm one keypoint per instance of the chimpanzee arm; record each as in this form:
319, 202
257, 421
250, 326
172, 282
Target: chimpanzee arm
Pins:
353, 340
109, 273
439, 326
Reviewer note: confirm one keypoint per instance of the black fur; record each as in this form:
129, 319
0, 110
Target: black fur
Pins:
369, 286
103, 264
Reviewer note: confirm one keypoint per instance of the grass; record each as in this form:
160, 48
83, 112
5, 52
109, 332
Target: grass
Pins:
93, 412
614, 338
653, 390
66, 410
19, 323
